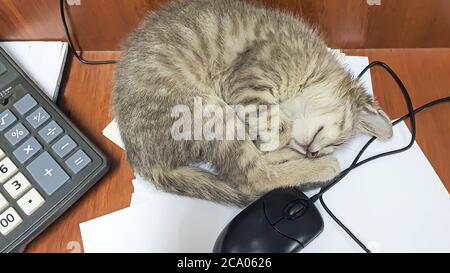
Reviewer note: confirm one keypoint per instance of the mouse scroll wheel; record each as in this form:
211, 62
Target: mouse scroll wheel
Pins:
296, 208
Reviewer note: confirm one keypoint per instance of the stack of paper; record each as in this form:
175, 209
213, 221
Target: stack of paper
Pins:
43, 62
393, 204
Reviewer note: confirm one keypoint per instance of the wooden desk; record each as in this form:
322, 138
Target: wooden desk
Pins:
86, 98
102, 25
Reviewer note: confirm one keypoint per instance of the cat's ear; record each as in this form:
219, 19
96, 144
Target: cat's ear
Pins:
375, 122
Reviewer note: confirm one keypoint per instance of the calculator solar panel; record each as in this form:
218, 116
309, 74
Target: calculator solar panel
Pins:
46, 163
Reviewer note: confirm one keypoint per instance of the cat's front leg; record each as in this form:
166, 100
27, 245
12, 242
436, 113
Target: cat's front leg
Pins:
268, 127
323, 169
306, 171
301, 172
259, 109
277, 136
282, 155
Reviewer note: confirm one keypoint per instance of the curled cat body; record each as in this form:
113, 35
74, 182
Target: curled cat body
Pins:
231, 52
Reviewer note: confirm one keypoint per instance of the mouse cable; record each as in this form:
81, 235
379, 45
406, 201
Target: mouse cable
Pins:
426, 106
411, 115
71, 45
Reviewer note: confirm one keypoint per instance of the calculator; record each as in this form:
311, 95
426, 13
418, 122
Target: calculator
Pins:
46, 163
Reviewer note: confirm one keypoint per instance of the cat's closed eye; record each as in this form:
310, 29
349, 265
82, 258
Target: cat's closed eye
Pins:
335, 144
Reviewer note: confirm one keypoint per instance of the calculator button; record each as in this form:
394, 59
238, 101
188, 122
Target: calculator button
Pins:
3, 202
6, 118
17, 185
78, 161
47, 173
2, 69
27, 150
64, 146
9, 220
2, 154
30, 202
25, 104
38, 117
50, 131
7, 169
17, 134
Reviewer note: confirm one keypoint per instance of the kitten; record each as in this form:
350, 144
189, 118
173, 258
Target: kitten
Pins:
230, 52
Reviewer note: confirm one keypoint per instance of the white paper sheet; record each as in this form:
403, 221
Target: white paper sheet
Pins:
163, 223
112, 133
42, 61
393, 204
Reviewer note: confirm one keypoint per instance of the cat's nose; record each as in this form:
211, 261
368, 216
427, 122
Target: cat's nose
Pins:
306, 148
312, 154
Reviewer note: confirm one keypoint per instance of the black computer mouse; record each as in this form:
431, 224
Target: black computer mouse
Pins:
282, 221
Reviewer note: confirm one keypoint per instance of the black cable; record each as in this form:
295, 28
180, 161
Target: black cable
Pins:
69, 39
418, 110
411, 115
343, 226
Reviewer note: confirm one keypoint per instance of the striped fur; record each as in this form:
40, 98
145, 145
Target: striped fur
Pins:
230, 52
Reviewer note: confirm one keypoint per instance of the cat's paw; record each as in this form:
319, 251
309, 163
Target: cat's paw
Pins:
326, 168
282, 155
267, 144
265, 127
272, 140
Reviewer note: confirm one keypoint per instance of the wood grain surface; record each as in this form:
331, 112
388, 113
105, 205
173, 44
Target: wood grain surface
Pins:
85, 98
103, 24
86, 95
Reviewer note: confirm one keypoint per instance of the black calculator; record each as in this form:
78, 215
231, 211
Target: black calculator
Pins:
46, 163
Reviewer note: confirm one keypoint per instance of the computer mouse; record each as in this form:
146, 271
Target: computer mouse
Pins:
284, 220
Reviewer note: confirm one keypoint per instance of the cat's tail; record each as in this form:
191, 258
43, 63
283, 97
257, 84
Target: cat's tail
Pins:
199, 183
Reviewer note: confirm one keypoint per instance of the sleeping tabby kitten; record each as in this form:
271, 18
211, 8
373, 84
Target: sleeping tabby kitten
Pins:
230, 52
